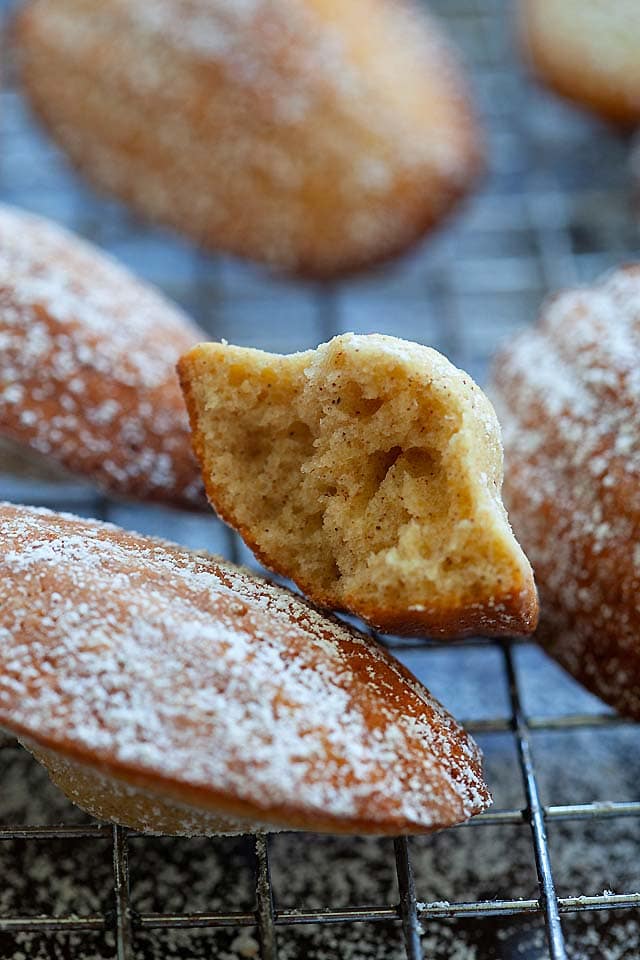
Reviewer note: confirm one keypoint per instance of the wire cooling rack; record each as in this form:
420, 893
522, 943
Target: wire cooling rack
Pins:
552, 871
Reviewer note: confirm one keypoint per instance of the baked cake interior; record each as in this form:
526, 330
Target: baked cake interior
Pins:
356, 472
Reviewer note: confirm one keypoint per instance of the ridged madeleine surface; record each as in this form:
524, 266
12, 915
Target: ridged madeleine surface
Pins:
568, 395
87, 365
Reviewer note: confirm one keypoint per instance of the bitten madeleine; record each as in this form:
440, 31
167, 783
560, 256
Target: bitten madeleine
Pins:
316, 136
568, 395
87, 365
171, 691
368, 471
587, 51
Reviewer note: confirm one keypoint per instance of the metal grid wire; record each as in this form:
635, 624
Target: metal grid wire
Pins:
555, 209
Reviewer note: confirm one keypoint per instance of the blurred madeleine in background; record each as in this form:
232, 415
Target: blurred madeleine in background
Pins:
315, 136
588, 51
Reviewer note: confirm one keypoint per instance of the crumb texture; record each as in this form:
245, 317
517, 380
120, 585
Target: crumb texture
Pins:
87, 365
314, 135
568, 393
369, 471
184, 675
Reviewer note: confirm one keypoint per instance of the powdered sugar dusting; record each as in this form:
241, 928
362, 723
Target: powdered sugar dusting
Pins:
193, 672
252, 112
569, 400
87, 364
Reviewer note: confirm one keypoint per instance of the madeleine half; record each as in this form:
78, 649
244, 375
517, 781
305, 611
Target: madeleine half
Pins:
369, 472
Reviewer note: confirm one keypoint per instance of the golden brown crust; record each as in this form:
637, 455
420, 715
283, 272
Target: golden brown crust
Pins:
176, 675
315, 136
513, 612
87, 374
505, 603
106, 797
568, 394
587, 52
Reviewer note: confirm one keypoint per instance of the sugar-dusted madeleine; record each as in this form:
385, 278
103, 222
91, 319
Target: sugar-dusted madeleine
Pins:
173, 692
18, 462
369, 472
568, 394
87, 365
315, 136
588, 51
